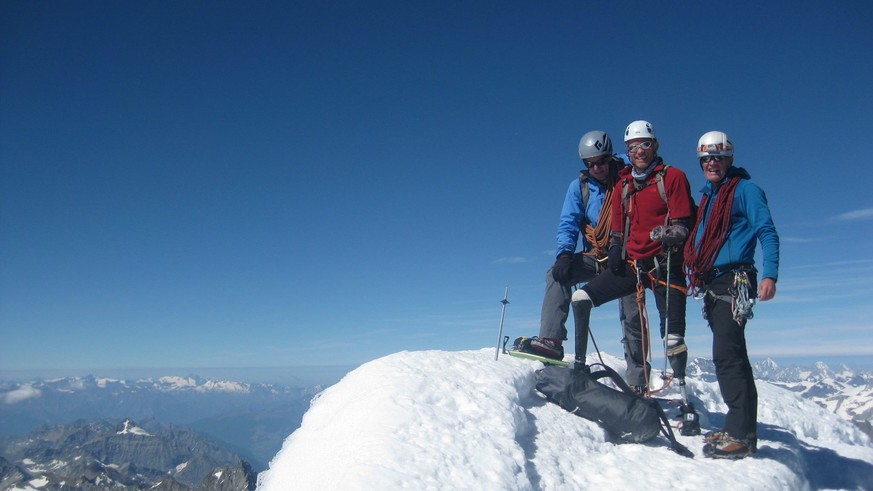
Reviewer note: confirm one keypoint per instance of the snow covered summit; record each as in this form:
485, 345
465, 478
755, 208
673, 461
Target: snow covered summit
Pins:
461, 420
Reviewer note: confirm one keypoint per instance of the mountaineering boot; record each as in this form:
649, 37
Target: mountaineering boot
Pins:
550, 348
714, 436
677, 353
752, 441
727, 447
581, 318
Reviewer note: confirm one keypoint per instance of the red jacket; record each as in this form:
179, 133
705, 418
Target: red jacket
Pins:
646, 208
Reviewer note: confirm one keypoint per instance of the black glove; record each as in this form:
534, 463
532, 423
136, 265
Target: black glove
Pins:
561, 269
613, 258
670, 234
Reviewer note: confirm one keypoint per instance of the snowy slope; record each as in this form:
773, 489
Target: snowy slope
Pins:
461, 420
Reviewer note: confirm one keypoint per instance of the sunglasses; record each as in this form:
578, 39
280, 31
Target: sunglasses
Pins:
644, 145
591, 163
717, 158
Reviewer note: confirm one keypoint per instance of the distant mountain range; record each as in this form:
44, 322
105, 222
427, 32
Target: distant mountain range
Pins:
250, 419
44, 424
120, 455
846, 392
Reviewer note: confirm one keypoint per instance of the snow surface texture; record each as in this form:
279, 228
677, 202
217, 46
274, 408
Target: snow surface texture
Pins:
461, 420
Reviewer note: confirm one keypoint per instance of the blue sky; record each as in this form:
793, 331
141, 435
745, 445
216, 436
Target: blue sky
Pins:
263, 184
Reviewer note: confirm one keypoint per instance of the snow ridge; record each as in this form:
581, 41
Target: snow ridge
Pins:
461, 420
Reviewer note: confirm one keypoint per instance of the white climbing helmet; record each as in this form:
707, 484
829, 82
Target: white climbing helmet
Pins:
714, 143
639, 129
594, 144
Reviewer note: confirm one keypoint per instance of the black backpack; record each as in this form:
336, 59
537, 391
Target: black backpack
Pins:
621, 412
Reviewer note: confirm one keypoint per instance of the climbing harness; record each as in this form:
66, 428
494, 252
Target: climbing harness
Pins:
738, 297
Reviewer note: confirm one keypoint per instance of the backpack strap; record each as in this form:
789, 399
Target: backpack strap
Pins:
662, 190
660, 181
625, 197
583, 188
666, 429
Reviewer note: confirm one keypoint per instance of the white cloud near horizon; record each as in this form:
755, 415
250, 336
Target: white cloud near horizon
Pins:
850, 262
862, 214
20, 394
820, 350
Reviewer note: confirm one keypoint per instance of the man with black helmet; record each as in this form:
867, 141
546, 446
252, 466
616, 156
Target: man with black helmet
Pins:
720, 262
586, 213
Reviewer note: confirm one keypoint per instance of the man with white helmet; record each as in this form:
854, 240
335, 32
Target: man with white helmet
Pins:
585, 214
650, 220
720, 262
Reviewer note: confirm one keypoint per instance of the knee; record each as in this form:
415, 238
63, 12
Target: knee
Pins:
581, 295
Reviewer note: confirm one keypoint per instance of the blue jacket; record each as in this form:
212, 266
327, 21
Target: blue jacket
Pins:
572, 214
750, 223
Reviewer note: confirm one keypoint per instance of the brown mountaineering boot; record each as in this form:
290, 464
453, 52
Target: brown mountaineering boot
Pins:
727, 447
712, 437
550, 348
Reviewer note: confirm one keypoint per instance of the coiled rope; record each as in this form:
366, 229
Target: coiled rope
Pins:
699, 259
598, 236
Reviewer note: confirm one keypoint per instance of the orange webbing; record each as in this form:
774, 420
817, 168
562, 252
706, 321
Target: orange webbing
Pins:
682, 289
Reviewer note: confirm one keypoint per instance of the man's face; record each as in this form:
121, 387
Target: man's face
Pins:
715, 167
598, 167
639, 155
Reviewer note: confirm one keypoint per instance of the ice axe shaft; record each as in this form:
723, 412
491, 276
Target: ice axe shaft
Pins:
502, 315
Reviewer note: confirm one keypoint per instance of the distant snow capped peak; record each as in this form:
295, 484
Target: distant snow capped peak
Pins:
105, 382
846, 393
201, 385
767, 366
179, 382
130, 428
223, 386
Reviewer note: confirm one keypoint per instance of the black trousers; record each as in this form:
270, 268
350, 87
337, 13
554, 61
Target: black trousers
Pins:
732, 368
609, 286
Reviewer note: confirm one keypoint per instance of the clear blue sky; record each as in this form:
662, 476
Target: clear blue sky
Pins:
251, 184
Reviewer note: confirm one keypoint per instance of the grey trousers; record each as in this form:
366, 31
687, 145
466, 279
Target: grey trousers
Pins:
556, 310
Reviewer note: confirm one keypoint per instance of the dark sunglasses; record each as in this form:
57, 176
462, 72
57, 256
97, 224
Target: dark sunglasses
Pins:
600, 161
717, 158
